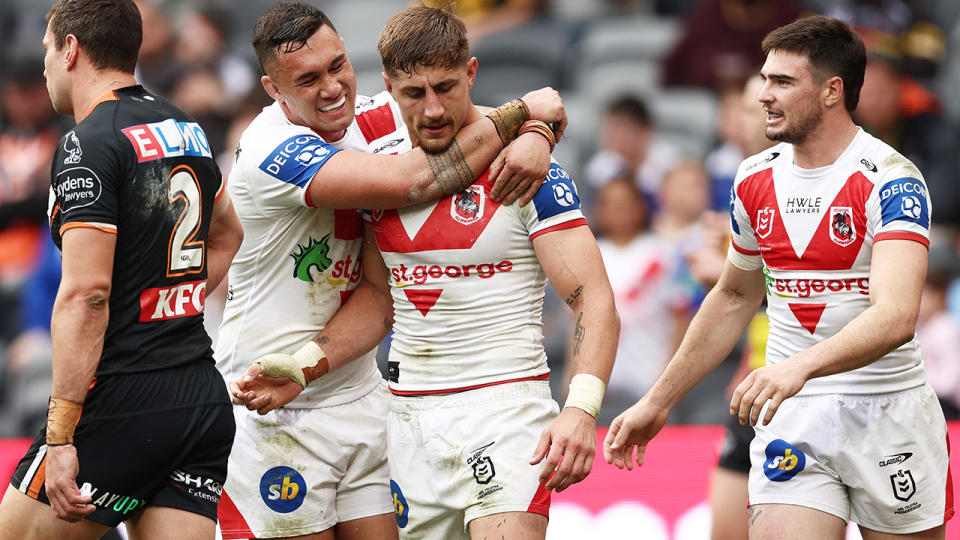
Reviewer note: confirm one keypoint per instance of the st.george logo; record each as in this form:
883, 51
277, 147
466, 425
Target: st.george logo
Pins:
466, 207
784, 461
842, 231
283, 489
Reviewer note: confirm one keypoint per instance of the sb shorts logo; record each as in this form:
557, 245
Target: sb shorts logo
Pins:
783, 461
282, 489
401, 509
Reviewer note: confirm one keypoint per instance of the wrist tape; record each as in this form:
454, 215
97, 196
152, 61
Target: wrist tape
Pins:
508, 118
586, 393
306, 365
62, 417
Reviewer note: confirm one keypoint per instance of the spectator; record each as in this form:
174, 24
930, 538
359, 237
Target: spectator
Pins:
938, 332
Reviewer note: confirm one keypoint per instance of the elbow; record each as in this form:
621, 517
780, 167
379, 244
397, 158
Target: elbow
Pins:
92, 296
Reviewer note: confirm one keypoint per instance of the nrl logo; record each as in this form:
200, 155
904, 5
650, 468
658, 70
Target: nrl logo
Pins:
466, 207
903, 485
765, 222
842, 231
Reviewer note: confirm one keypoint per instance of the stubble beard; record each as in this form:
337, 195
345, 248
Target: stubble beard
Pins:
798, 133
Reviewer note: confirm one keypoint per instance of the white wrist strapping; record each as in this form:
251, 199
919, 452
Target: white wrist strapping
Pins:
586, 393
294, 366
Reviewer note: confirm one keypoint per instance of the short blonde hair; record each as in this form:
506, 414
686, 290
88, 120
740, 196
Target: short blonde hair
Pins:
423, 36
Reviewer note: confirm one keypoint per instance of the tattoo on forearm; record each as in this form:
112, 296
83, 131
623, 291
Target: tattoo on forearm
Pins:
450, 169
574, 295
754, 513
478, 139
322, 340
387, 323
578, 332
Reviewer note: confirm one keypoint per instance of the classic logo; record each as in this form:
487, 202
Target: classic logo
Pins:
894, 459
466, 207
903, 485
765, 221
768, 159
387, 145
71, 145
783, 461
401, 510
282, 489
842, 231
869, 165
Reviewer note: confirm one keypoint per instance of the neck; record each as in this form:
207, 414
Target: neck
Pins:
824, 145
93, 86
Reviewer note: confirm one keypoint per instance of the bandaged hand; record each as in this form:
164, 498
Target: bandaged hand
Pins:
306, 365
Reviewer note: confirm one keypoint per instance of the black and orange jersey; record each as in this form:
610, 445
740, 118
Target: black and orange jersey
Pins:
140, 168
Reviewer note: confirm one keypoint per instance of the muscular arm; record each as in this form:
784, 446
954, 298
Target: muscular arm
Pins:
571, 260
223, 241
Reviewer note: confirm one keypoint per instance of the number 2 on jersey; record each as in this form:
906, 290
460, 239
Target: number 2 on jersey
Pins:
185, 254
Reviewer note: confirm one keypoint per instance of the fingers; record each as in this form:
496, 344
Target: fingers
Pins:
516, 192
542, 446
580, 462
258, 403
531, 191
494, 176
554, 456
775, 402
559, 127
68, 503
505, 185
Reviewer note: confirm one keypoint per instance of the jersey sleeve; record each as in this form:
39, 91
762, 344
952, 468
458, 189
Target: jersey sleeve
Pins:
744, 252
899, 206
285, 164
555, 206
86, 175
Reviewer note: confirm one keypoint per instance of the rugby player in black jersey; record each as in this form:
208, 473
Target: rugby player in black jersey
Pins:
140, 424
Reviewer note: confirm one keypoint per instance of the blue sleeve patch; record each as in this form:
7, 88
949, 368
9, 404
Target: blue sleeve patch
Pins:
733, 220
297, 159
904, 199
557, 194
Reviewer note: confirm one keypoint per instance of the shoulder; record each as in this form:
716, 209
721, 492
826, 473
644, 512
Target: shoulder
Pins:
761, 161
378, 116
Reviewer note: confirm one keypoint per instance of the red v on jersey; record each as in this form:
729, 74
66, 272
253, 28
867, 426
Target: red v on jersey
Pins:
826, 250
423, 299
439, 231
808, 315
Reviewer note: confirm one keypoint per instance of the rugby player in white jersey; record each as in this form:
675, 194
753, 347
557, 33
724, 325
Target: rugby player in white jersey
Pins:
833, 225
318, 467
475, 439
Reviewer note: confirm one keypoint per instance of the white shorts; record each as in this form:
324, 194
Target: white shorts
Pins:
458, 457
301, 471
879, 460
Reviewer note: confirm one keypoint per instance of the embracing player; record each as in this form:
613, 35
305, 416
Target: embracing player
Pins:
833, 225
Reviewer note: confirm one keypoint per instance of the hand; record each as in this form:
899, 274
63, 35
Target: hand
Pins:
546, 105
261, 393
635, 426
775, 383
568, 443
520, 169
61, 484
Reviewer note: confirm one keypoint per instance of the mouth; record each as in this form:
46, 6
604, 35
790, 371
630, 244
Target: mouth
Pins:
773, 117
334, 106
435, 130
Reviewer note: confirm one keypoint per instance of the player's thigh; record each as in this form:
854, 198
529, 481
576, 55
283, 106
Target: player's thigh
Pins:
165, 523
512, 525
381, 527
728, 505
793, 522
936, 533
22, 517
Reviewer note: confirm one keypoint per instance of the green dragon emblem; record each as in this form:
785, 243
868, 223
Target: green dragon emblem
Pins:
315, 254
768, 281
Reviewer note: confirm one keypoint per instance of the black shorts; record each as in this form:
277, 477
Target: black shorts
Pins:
159, 438
735, 452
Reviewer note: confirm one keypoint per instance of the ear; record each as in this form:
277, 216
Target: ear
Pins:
833, 91
271, 88
72, 50
386, 83
471, 71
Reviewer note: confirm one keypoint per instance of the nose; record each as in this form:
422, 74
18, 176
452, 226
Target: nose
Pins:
765, 96
433, 108
330, 87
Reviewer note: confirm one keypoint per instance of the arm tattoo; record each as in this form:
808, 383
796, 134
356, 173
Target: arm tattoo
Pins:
574, 295
478, 139
754, 513
387, 323
450, 169
322, 340
578, 332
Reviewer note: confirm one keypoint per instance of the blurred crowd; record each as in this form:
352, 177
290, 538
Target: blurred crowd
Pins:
661, 114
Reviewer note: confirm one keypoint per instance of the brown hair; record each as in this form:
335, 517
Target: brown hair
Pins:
423, 36
285, 28
832, 47
109, 31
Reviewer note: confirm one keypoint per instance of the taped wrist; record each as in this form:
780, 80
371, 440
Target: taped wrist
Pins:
586, 393
306, 365
508, 119
62, 418
537, 126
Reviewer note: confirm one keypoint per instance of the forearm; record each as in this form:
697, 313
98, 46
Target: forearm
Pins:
77, 330
358, 327
596, 331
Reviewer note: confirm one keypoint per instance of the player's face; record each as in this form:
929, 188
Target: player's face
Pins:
55, 73
791, 97
434, 102
315, 85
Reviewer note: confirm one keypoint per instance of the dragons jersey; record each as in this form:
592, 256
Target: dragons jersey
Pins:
141, 169
812, 231
467, 286
297, 264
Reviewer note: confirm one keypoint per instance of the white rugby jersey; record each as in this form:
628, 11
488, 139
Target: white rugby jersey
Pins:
297, 264
812, 231
467, 286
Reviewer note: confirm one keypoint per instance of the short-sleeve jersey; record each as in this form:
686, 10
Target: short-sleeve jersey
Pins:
140, 168
812, 231
467, 286
297, 264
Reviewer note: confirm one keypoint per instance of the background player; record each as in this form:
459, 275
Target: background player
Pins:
138, 208
834, 224
319, 466
467, 365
